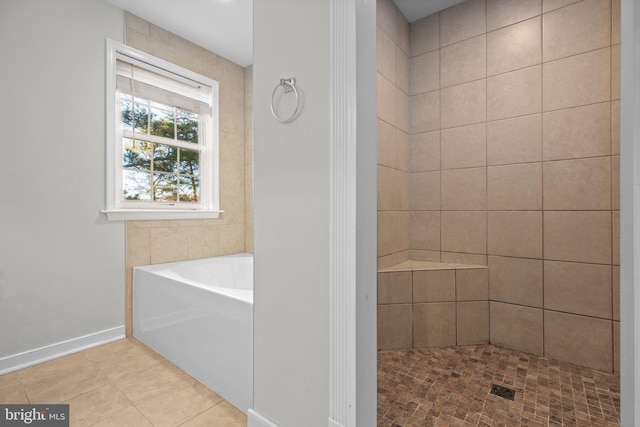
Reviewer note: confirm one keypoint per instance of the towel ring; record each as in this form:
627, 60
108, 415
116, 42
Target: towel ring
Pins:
288, 85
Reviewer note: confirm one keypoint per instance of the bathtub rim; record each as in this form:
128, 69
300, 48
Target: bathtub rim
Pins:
244, 295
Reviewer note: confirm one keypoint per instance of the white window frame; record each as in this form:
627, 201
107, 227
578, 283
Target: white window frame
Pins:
116, 209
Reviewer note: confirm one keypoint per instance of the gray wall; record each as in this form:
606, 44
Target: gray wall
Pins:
61, 264
291, 246
366, 237
629, 216
292, 182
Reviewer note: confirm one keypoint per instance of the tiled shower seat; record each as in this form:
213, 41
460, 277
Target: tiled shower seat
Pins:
430, 304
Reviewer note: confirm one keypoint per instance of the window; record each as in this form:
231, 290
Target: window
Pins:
162, 138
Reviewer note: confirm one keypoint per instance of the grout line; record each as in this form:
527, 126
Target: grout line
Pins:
611, 96
520, 21
440, 133
486, 140
132, 403
455, 304
413, 332
542, 92
486, 164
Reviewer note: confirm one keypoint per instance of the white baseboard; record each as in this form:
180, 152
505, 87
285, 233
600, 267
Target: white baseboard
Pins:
256, 420
39, 355
334, 423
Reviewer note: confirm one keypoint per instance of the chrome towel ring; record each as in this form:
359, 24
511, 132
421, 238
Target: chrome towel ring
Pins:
288, 85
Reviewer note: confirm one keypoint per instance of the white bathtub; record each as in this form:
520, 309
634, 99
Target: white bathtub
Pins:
199, 315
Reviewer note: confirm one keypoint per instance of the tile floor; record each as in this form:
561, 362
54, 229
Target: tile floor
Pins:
126, 384
121, 384
449, 386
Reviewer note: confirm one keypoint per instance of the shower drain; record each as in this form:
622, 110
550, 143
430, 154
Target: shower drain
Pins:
503, 392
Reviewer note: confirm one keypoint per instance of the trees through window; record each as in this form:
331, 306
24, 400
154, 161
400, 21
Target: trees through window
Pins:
159, 171
163, 147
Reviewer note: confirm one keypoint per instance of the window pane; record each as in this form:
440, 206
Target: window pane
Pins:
165, 187
165, 158
136, 154
164, 136
189, 189
187, 125
126, 108
162, 120
189, 162
136, 185
141, 116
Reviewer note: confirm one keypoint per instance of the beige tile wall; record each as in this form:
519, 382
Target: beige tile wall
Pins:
430, 308
154, 242
513, 162
394, 120
248, 159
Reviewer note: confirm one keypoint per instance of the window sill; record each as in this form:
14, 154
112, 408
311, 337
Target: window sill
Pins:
151, 214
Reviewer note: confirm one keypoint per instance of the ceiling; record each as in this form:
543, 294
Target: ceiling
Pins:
416, 9
221, 26
226, 26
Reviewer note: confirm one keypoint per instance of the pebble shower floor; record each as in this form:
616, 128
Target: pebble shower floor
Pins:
449, 386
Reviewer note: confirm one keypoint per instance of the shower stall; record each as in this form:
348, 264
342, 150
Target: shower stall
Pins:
498, 179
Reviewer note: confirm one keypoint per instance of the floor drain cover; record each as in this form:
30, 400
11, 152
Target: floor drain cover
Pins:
504, 392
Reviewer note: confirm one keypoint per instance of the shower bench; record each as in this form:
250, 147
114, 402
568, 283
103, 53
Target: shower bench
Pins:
432, 304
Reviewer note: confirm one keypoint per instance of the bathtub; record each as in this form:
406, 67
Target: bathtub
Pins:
199, 315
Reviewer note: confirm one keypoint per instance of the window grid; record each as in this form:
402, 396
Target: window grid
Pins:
192, 192
183, 150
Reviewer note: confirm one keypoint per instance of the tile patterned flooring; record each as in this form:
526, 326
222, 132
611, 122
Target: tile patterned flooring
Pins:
449, 386
121, 384
126, 384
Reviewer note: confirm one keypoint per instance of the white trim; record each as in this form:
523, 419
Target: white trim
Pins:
209, 149
256, 420
143, 57
342, 252
43, 354
151, 214
110, 117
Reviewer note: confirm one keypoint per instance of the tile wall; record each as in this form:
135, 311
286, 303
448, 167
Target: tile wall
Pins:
393, 135
513, 160
155, 242
445, 305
